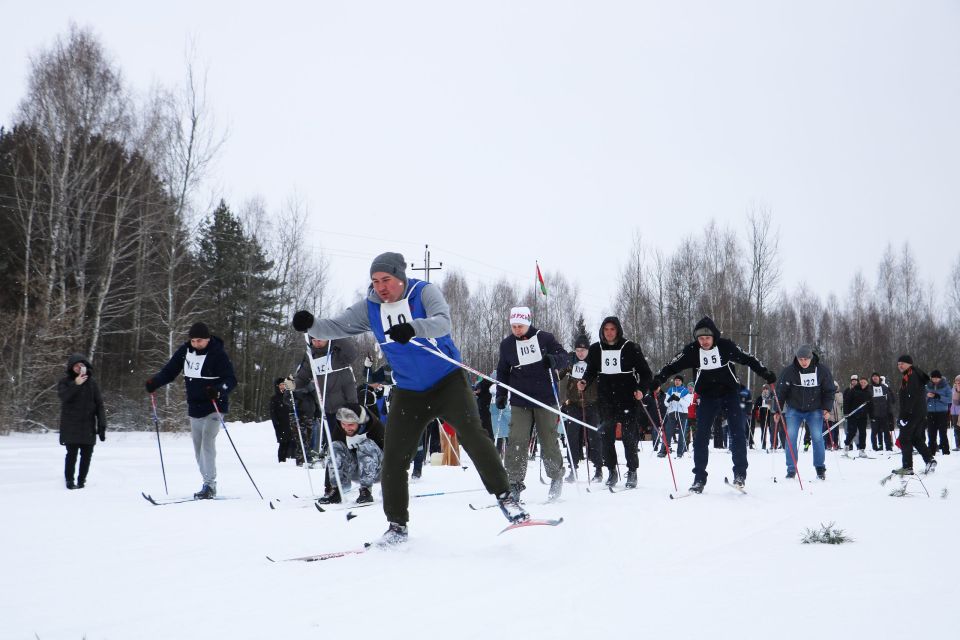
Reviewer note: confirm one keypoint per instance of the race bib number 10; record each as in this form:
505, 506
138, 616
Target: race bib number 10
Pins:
394, 313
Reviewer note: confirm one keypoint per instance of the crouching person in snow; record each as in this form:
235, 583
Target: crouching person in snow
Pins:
411, 321
82, 418
357, 452
208, 378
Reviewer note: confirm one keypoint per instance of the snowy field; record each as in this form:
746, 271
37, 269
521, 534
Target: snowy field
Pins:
102, 563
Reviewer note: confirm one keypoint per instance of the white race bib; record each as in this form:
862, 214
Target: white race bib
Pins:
878, 392
710, 359
610, 361
320, 366
528, 351
394, 313
809, 379
578, 370
193, 364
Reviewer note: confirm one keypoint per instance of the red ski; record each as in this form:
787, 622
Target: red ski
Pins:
533, 523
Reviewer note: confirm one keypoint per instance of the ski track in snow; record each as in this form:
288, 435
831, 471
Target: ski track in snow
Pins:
102, 563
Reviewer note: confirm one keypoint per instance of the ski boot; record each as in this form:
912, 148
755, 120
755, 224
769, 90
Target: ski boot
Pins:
81, 483
556, 487
332, 496
511, 508
396, 534
791, 475
931, 467
697, 486
597, 475
903, 471
631, 479
366, 496
739, 480
613, 477
821, 473
662, 454
70, 484
206, 493
516, 488
862, 454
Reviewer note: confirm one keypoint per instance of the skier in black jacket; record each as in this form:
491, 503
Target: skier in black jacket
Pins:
913, 415
857, 422
619, 369
82, 418
712, 357
881, 411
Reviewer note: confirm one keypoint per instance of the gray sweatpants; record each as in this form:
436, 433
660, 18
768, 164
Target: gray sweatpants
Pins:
521, 421
361, 464
204, 432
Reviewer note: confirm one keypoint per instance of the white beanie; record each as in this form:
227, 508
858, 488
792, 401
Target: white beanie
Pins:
521, 315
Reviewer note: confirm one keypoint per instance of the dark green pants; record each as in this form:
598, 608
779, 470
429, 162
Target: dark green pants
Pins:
452, 401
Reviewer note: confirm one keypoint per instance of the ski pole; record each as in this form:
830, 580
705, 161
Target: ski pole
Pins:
454, 451
660, 428
470, 369
563, 425
156, 424
323, 406
227, 431
837, 424
786, 437
586, 439
306, 467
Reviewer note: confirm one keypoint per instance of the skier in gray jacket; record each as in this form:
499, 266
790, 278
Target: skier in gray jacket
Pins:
334, 377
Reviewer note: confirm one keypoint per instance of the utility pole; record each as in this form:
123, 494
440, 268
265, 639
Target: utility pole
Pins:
427, 268
750, 335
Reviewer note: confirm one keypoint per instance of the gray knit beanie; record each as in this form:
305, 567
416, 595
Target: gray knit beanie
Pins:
392, 263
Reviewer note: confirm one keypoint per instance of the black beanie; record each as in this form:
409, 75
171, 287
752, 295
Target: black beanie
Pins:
905, 358
199, 330
936, 374
581, 342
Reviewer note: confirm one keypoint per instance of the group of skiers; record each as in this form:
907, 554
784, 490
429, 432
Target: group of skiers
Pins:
608, 392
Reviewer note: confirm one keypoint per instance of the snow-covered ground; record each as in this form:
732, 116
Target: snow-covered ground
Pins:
103, 563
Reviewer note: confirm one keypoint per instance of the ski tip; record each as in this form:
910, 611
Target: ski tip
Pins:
367, 545
611, 489
271, 505
319, 508
270, 559
470, 504
350, 515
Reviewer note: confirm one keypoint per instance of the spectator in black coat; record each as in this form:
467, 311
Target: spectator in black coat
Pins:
82, 418
280, 415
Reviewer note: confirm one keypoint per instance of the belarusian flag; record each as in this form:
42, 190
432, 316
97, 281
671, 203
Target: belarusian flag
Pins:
543, 286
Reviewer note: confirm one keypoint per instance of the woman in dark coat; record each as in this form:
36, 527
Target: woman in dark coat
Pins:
82, 417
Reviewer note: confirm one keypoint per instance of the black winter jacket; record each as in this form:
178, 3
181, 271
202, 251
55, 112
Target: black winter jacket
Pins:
793, 393
881, 401
341, 386
857, 398
281, 415
715, 377
82, 416
533, 379
216, 371
913, 395
615, 390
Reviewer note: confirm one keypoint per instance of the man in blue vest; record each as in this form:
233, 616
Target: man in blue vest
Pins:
397, 310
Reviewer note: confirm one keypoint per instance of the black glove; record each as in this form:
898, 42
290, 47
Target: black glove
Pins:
501, 402
674, 397
302, 320
150, 385
769, 376
549, 361
401, 332
212, 392
103, 435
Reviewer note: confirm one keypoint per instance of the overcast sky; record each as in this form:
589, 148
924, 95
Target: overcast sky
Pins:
506, 132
